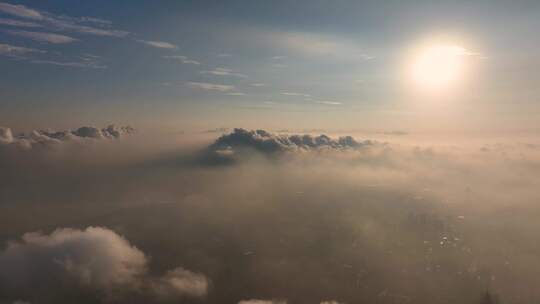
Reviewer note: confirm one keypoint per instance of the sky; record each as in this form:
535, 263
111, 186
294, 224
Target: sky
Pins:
191, 65
269, 152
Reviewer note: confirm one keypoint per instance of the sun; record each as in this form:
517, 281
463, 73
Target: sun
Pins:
438, 67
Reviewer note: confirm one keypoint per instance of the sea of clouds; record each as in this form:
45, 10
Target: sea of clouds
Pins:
253, 217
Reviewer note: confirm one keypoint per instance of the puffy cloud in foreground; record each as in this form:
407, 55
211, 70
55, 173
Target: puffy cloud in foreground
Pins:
6, 136
94, 261
49, 137
179, 282
93, 257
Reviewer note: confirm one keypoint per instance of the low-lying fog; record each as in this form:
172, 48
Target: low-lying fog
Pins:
257, 217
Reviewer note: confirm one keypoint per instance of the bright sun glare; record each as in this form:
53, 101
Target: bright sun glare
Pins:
438, 67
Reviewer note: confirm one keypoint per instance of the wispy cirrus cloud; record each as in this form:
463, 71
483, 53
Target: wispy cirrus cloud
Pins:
98, 27
210, 86
29, 55
74, 64
295, 94
329, 103
292, 44
95, 20
54, 28
85, 61
42, 36
317, 45
224, 72
158, 44
18, 23
70, 25
182, 59
309, 97
17, 51
20, 11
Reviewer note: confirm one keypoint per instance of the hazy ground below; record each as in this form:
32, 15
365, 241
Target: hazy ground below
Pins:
405, 218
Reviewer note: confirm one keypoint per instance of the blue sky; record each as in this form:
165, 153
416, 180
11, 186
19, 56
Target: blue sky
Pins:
318, 63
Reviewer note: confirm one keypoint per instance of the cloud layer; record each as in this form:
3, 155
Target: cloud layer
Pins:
49, 137
321, 220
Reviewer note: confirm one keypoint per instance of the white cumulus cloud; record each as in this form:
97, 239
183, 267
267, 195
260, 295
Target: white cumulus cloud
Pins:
68, 261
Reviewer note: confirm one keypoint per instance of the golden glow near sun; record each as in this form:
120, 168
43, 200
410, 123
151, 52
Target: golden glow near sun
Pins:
438, 67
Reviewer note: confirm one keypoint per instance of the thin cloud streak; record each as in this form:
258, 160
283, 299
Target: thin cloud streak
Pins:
62, 23
330, 103
17, 51
295, 94
210, 86
42, 36
158, 44
72, 26
20, 11
224, 72
73, 64
18, 23
182, 59
27, 54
